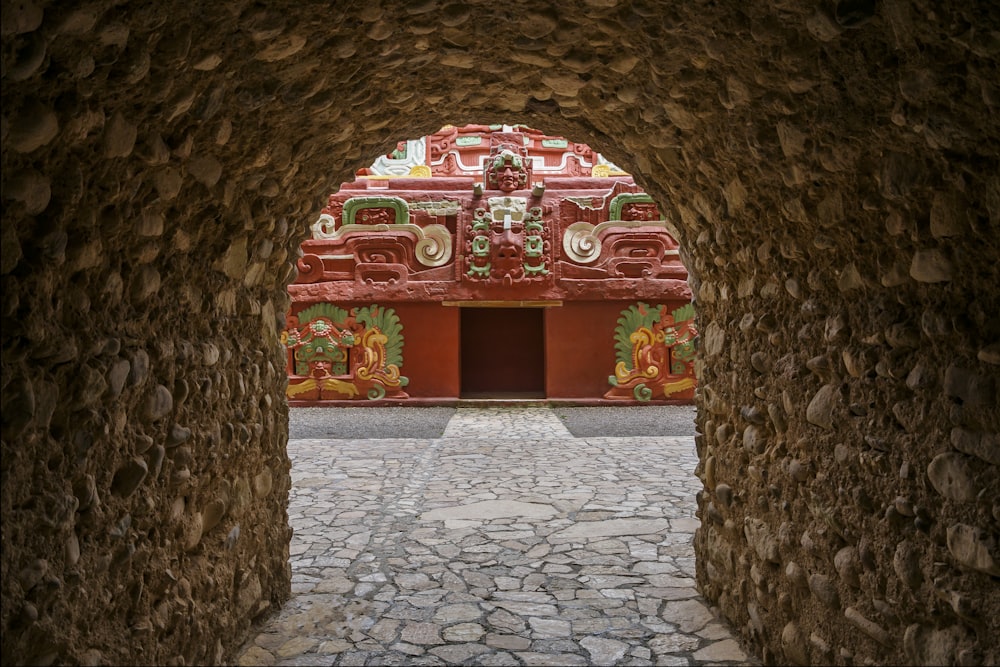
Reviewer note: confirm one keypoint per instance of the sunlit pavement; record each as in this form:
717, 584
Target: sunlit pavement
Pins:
507, 541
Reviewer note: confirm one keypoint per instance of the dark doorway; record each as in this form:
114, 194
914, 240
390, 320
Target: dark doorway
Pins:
503, 353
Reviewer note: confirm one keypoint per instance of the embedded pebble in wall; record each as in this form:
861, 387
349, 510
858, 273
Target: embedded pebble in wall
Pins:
931, 646
821, 407
824, 589
973, 548
931, 266
34, 127
158, 404
906, 564
759, 537
128, 478
794, 644
119, 136
953, 476
193, 531
972, 388
986, 446
850, 279
139, 367
168, 182
206, 169
178, 435
145, 284
846, 563
262, 483
777, 415
156, 456
31, 188
150, 223
990, 354
725, 494
212, 514
754, 440
798, 470
870, 628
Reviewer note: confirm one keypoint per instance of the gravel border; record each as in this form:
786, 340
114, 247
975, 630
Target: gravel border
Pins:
429, 422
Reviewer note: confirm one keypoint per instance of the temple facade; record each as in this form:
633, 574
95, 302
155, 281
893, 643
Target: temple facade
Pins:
490, 262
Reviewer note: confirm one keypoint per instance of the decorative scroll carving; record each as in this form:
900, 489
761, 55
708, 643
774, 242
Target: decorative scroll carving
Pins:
581, 244
324, 227
310, 268
434, 249
431, 245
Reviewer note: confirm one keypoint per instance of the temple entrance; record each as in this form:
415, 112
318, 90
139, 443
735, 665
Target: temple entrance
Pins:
503, 353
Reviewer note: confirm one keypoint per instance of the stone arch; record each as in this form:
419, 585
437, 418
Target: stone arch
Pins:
834, 170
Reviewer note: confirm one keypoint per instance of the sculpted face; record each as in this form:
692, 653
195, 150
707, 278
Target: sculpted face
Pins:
507, 179
507, 172
643, 211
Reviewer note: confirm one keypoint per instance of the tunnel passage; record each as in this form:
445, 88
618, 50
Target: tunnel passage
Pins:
832, 170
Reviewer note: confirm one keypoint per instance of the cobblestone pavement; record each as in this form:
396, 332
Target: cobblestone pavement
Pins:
506, 541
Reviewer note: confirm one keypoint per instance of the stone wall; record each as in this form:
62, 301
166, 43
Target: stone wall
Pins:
832, 168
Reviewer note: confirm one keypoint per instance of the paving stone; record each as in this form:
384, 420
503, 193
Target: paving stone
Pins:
459, 653
255, 656
511, 642
463, 632
604, 651
296, 646
553, 659
549, 627
688, 615
490, 509
422, 633
453, 613
528, 608
504, 620
611, 527
724, 651
673, 643
334, 646
506, 541
498, 660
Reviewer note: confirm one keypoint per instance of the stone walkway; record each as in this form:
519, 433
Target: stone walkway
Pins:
507, 541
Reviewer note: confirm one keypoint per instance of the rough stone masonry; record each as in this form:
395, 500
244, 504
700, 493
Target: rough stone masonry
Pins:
832, 169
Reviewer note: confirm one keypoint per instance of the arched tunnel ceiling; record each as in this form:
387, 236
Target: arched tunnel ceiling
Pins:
832, 169
702, 101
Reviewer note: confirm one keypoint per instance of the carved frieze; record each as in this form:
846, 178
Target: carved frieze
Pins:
655, 352
344, 354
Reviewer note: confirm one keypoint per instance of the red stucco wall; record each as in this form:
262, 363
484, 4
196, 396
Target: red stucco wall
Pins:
430, 348
580, 348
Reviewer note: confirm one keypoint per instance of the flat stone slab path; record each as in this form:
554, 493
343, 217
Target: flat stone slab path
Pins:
506, 541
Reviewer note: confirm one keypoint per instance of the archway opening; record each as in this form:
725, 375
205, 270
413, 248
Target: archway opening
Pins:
491, 261
833, 166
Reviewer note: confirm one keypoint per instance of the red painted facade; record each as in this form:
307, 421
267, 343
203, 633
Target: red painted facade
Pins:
490, 261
